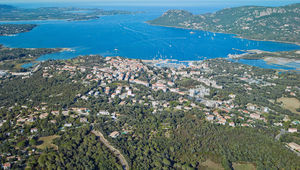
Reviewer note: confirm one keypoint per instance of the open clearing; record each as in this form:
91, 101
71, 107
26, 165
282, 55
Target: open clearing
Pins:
210, 165
47, 142
290, 103
243, 166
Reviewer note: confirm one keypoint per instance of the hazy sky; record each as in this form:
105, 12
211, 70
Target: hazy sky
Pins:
161, 2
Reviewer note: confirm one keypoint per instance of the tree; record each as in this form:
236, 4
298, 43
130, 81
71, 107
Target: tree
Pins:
32, 141
22, 144
166, 162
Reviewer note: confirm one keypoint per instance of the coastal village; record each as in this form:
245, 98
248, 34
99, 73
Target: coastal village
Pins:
124, 79
110, 112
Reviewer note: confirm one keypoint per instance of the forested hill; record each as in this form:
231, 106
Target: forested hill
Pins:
252, 22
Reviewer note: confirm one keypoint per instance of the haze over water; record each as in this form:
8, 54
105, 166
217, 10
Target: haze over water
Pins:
130, 36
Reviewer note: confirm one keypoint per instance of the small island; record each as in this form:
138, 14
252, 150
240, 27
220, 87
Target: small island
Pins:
281, 24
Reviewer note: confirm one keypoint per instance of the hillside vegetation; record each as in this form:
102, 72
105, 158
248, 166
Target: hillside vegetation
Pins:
12, 29
252, 22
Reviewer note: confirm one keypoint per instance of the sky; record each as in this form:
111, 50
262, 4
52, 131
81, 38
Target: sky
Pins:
160, 2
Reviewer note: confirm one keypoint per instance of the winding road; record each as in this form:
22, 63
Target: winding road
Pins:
282, 132
115, 151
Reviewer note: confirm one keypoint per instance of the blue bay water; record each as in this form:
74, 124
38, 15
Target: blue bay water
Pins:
129, 36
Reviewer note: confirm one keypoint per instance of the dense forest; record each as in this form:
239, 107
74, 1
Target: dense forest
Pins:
60, 90
77, 149
184, 140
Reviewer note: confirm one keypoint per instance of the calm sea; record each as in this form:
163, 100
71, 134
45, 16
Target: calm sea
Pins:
130, 36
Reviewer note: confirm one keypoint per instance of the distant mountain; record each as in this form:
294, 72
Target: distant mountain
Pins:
11, 13
252, 22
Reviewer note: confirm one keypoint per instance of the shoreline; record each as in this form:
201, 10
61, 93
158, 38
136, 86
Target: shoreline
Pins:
32, 60
39, 20
234, 35
280, 60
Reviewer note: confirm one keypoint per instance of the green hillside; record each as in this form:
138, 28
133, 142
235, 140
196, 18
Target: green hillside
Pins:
252, 22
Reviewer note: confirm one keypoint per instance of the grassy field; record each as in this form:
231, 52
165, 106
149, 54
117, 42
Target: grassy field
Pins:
290, 103
243, 166
47, 142
210, 165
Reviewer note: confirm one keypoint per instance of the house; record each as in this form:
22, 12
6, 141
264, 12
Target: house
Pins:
255, 116
43, 115
6, 165
222, 121
119, 90
171, 83
103, 112
232, 124
68, 125
232, 96
114, 134
159, 86
251, 107
129, 93
210, 117
245, 124
266, 109
55, 113
82, 111
178, 107
141, 82
296, 122
122, 103
33, 130
278, 124
292, 130
53, 121
209, 103
21, 120
65, 113
31, 119
107, 90
294, 146
286, 118
83, 120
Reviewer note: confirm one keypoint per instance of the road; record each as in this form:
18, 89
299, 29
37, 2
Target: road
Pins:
282, 132
115, 151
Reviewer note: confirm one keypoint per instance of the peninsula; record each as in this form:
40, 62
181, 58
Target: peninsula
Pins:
11, 13
280, 24
12, 29
13, 58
